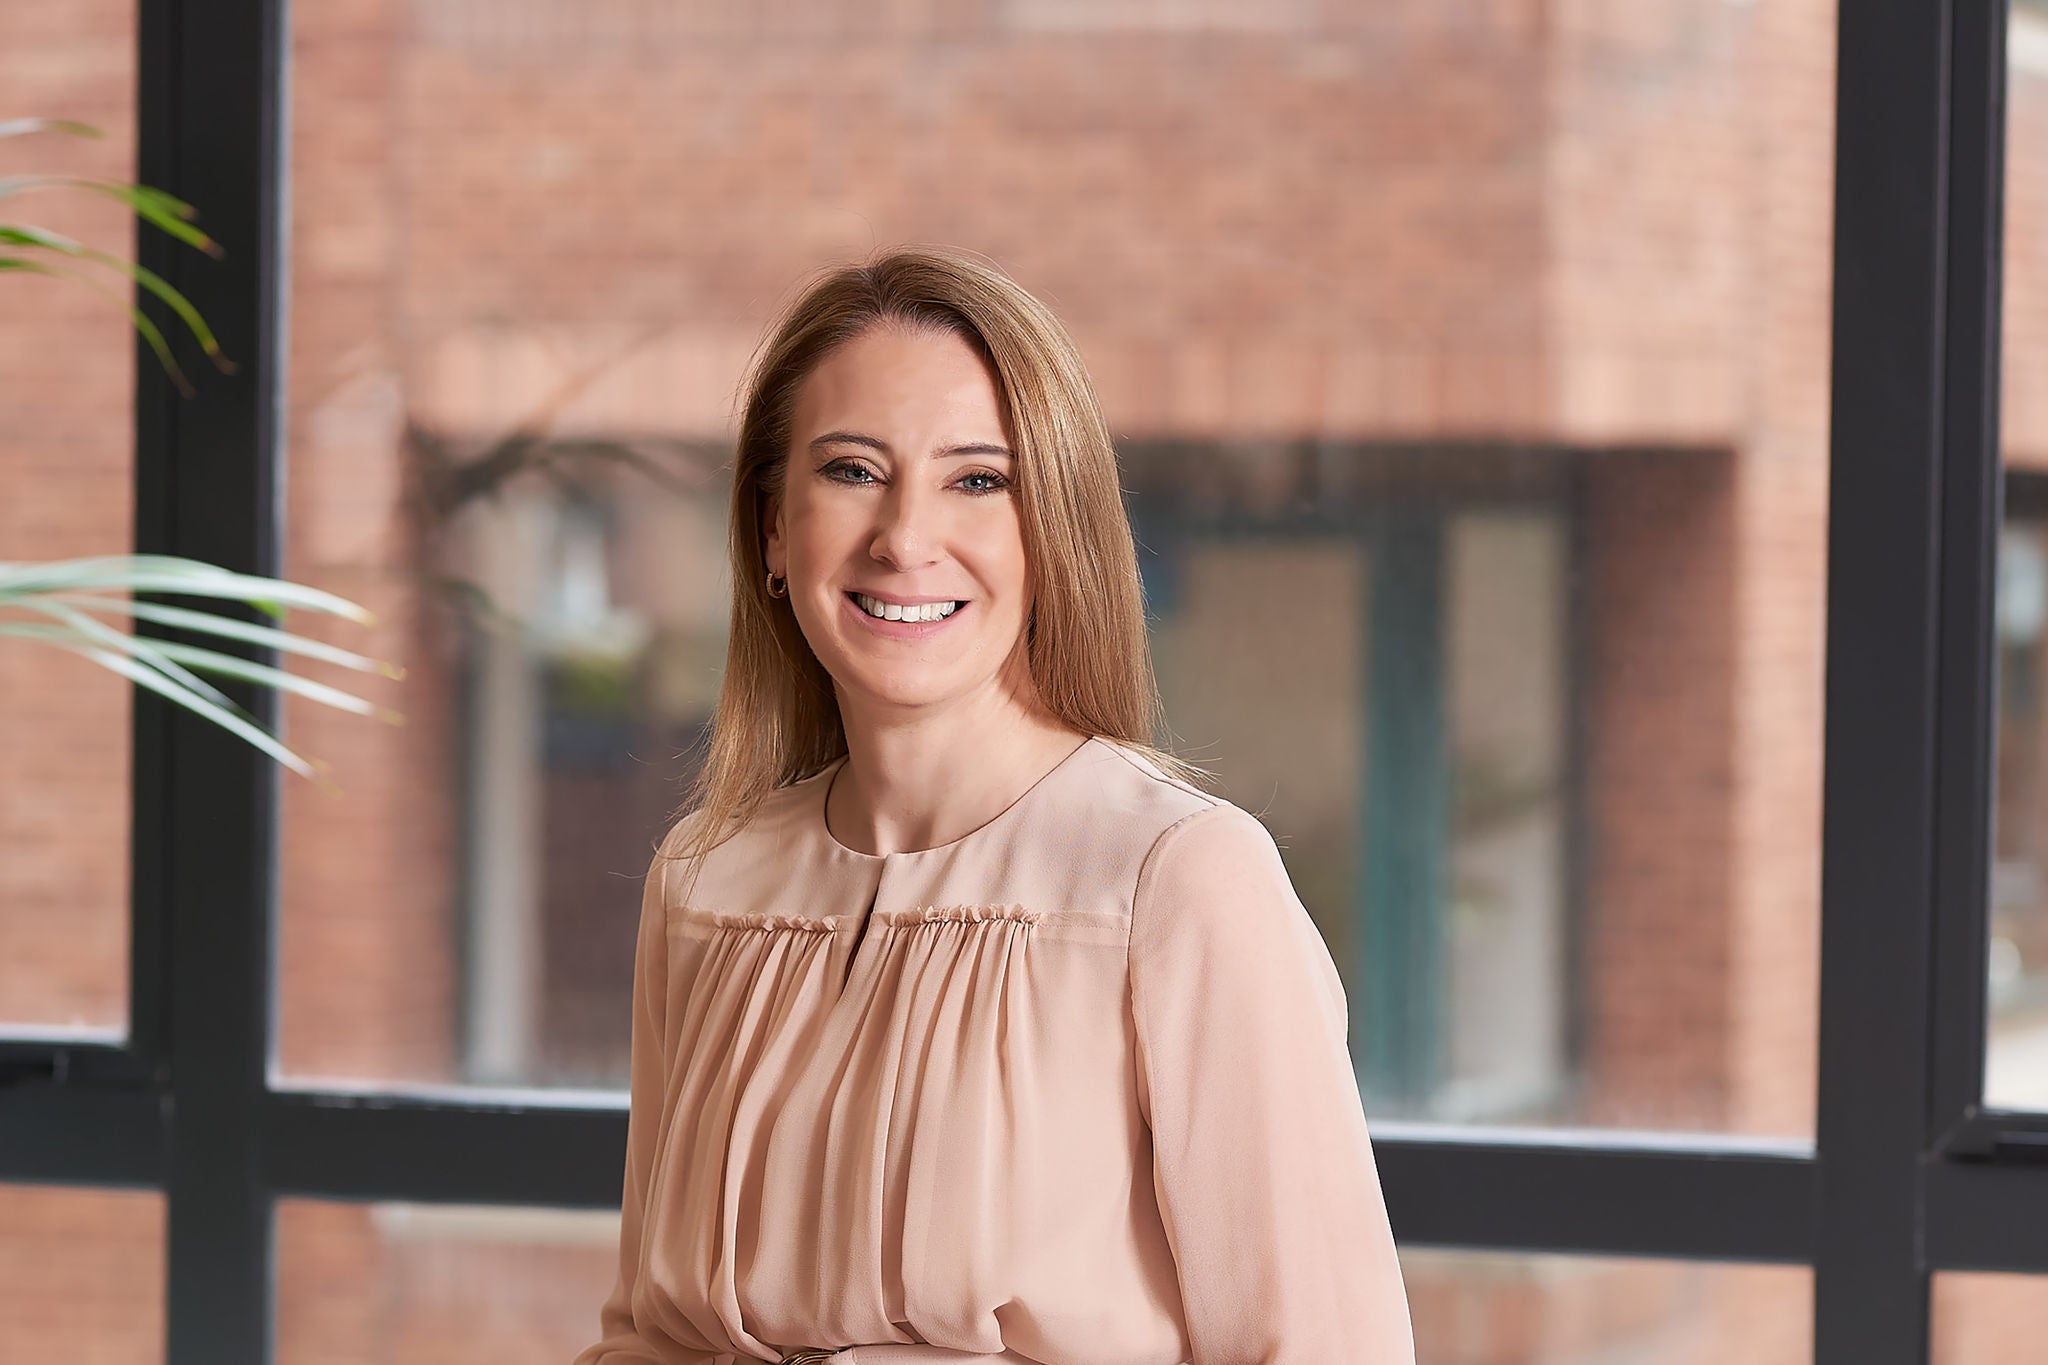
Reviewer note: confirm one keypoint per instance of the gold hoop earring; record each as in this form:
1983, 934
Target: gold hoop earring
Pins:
772, 591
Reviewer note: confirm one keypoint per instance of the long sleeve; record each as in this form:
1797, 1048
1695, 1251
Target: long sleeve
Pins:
1261, 1160
620, 1342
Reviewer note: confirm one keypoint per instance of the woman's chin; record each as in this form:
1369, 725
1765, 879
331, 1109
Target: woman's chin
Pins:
901, 687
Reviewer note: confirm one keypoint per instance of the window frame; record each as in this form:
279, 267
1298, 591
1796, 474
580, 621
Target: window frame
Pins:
1919, 1175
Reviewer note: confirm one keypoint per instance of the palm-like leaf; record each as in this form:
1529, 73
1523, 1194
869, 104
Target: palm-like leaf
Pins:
55, 603
167, 212
66, 593
23, 236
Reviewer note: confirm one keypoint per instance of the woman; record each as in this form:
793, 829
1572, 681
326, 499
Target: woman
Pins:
966, 1027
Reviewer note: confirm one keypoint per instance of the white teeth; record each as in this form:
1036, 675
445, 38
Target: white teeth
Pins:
930, 611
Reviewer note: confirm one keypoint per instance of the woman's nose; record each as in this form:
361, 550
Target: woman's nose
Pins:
908, 528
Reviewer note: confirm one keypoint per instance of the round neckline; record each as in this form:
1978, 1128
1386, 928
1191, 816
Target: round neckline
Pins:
831, 775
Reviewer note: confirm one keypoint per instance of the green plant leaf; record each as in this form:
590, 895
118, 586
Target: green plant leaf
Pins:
213, 661
176, 302
152, 652
167, 657
143, 325
170, 574
166, 211
158, 683
210, 624
27, 234
23, 234
95, 640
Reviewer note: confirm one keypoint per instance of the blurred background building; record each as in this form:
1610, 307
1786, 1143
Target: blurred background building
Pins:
1468, 362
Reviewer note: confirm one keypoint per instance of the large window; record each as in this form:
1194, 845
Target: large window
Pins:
1482, 448
1563, 448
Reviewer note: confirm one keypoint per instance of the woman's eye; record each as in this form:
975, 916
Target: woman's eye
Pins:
833, 471
996, 482
979, 483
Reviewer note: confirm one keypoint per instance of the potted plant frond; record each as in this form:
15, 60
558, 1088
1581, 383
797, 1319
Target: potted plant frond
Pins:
65, 603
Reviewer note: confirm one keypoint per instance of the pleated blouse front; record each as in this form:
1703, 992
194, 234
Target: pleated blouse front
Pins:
1072, 1089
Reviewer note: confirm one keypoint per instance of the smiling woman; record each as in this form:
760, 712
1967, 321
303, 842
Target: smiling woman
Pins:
921, 430
917, 522
967, 1026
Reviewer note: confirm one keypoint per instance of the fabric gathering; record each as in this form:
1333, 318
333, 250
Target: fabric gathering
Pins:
1072, 1087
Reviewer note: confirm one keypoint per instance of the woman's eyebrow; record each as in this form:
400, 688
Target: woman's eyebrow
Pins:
875, 443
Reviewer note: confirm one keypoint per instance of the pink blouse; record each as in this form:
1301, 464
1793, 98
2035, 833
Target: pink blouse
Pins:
1071, 1089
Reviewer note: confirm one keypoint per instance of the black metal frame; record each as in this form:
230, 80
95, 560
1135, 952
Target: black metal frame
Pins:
1909, 1173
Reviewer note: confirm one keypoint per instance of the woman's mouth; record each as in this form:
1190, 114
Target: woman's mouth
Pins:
911, 622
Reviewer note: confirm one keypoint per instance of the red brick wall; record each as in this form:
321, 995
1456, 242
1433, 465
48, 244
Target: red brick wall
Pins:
1659, 814
367, 938
81, 1275
66, 378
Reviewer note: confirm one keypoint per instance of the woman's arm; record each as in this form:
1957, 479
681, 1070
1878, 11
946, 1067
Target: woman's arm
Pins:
620, 1341
1261, 1159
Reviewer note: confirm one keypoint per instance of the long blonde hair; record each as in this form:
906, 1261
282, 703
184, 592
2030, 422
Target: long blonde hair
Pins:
777, 719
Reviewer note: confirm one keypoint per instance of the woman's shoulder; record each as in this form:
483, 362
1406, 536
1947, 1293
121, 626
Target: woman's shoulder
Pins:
770, 822
1210, 872
1134, 816
1126, 786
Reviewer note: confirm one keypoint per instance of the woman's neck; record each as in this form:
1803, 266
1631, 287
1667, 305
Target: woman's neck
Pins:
913, 788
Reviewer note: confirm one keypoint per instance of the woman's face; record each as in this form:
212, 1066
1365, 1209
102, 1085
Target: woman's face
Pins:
900, 486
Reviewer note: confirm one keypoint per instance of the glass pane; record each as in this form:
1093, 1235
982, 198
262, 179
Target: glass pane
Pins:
1482, 497
84, 1275
401, 1284
66, 491
1497, 1308
1982, 1319
2016, 1064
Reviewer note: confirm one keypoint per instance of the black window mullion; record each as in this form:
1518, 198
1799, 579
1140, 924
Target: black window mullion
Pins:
1627, 1194
1987, 1186
209, 133
1972, 502
1878, 864
1987, 1216
150, 791
74, 1135
455, 1148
